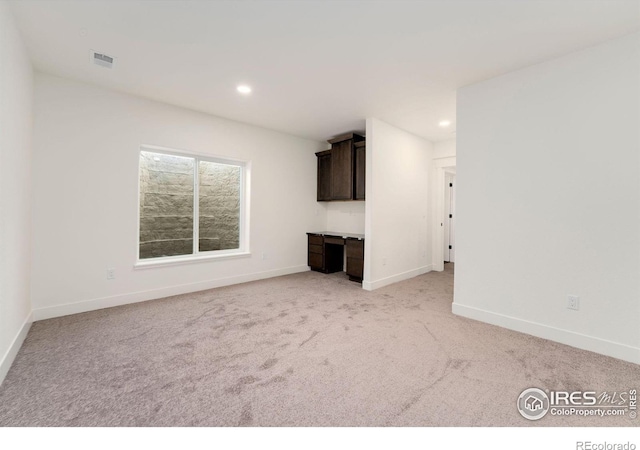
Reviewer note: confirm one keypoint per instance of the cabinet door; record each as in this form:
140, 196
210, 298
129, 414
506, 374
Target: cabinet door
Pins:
360, 170
324, 177
342, 170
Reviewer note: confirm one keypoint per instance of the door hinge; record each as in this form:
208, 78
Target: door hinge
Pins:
450, 247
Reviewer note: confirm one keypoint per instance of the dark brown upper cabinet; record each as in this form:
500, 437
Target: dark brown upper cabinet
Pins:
324, 176
342, 164
341, 169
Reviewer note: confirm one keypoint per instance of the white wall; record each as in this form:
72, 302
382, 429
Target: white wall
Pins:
398, 236
345, 216
444, 149
16, 94
548, 196
86, 144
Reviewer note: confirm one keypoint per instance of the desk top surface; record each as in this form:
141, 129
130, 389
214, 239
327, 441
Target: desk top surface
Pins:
338, 234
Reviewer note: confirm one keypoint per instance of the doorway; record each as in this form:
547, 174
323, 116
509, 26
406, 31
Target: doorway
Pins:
449, 249
443, 170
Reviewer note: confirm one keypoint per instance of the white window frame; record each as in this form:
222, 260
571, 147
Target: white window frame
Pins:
197, 255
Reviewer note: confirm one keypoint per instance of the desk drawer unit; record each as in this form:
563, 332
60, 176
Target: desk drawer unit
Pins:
315, 258
355, 259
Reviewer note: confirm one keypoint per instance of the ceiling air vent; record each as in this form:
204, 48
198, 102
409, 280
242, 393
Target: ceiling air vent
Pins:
102, 60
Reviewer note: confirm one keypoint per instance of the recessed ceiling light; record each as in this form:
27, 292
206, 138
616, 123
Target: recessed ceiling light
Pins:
444, 123
244, 89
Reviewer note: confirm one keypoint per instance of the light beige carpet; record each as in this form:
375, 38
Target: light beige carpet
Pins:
301, 350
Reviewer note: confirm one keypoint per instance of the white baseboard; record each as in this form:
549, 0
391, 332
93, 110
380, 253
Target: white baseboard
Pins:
371, 285
581, 341
136, 297
10, 355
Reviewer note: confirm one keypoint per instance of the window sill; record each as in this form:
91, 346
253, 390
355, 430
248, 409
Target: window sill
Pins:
176, 261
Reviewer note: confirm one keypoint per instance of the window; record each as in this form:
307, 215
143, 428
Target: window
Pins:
189, 206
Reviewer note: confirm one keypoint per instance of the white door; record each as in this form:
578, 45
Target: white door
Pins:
449, 217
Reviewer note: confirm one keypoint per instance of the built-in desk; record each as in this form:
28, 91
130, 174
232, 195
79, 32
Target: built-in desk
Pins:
326, 253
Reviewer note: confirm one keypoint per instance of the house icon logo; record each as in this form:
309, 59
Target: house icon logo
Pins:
533, 404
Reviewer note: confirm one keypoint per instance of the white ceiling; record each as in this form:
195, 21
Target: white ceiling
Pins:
317, 68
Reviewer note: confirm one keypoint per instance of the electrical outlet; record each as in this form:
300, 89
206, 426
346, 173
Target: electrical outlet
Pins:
111, 274
573, 302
